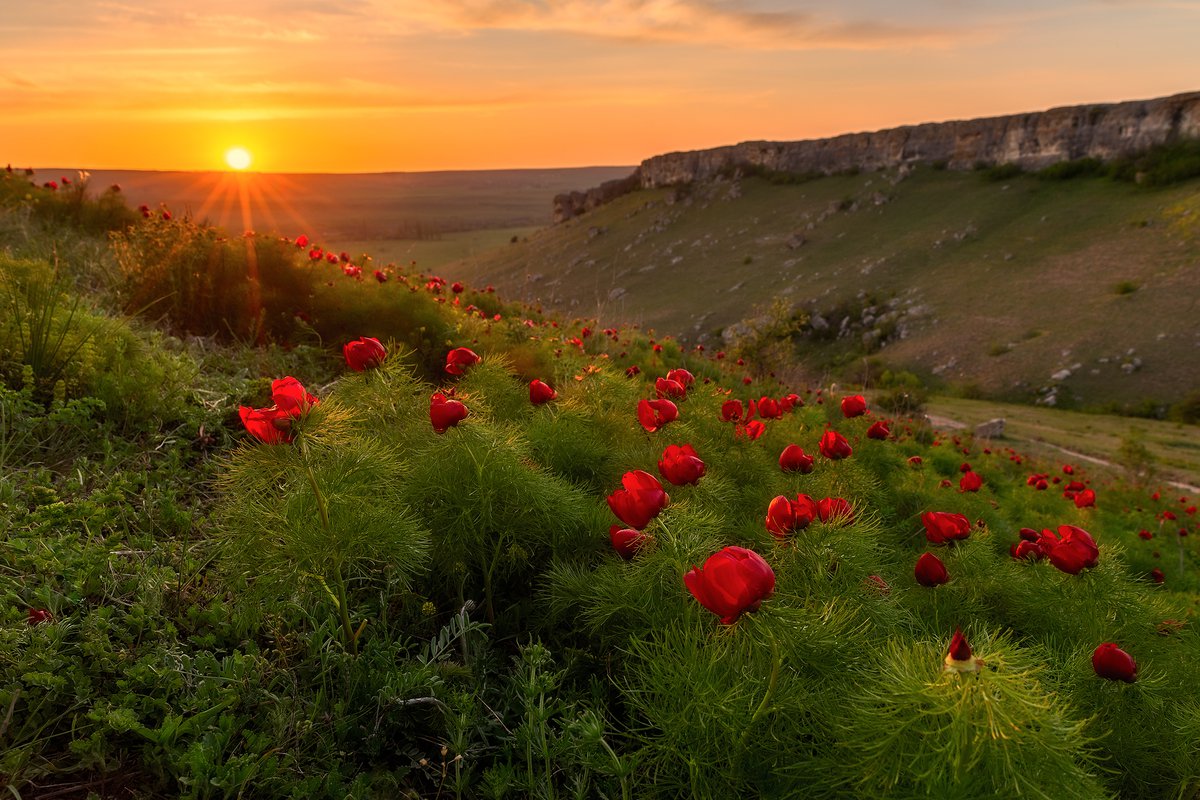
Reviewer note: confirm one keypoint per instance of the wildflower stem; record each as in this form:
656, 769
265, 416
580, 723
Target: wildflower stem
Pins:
772, 681
339, 582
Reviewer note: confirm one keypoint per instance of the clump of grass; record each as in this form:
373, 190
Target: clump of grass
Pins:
1125, 287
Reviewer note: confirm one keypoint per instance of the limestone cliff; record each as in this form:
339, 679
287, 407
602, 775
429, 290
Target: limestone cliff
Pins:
1033, 140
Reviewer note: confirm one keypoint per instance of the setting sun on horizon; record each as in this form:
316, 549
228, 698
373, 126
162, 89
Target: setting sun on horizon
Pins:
238, 158
356, 86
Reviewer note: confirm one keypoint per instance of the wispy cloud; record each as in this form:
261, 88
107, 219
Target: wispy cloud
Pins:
701, 22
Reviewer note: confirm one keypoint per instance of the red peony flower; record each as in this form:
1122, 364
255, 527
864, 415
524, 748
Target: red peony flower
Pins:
1085, 499
682, 377
381, 276
794, 459
943, 526
627, 541
854, 406
302, 241
331, 257
970, 482
1113, 663
268, 425
640, 500
37, 616
915, 461
1157, 575
834, 446
732, 410
835, 510
540, 392
785, 516
930, 571
879, 430
1026, 550
1074, 551
653, 414
751, 430
680, 465
734, 580
445, 413
364, 353
460, 359
274, 425
316, 254
768, 408
456, 287
665, 387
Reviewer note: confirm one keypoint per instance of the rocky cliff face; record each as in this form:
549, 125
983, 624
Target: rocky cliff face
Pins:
1032, 140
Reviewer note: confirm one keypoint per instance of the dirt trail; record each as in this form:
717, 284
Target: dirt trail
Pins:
946, 423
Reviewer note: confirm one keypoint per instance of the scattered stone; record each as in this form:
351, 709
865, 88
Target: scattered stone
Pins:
992, 429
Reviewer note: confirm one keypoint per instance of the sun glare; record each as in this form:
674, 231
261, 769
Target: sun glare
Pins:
237, 158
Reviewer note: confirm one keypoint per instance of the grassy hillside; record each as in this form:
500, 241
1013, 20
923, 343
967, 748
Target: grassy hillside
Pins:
246, 553
999, 284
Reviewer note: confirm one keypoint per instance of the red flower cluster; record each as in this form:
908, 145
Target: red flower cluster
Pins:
274, 424
732, 581
1072, 550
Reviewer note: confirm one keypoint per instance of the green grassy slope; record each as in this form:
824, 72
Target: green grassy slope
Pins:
1001, 283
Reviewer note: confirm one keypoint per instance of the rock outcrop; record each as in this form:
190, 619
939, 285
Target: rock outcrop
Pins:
1032, 141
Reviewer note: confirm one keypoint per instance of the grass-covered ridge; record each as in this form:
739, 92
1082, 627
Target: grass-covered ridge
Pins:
367, 607
1009, 287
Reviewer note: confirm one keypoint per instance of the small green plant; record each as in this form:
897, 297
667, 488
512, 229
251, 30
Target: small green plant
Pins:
999, 349
1125, 287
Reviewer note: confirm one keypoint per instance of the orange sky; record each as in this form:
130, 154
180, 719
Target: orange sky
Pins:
372, 85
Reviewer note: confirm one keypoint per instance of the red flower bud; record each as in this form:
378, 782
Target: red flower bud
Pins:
959, 658
1113, 663
930, 571
540, 392
627, 541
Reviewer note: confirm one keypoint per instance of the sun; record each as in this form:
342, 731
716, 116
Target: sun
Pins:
237, 158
